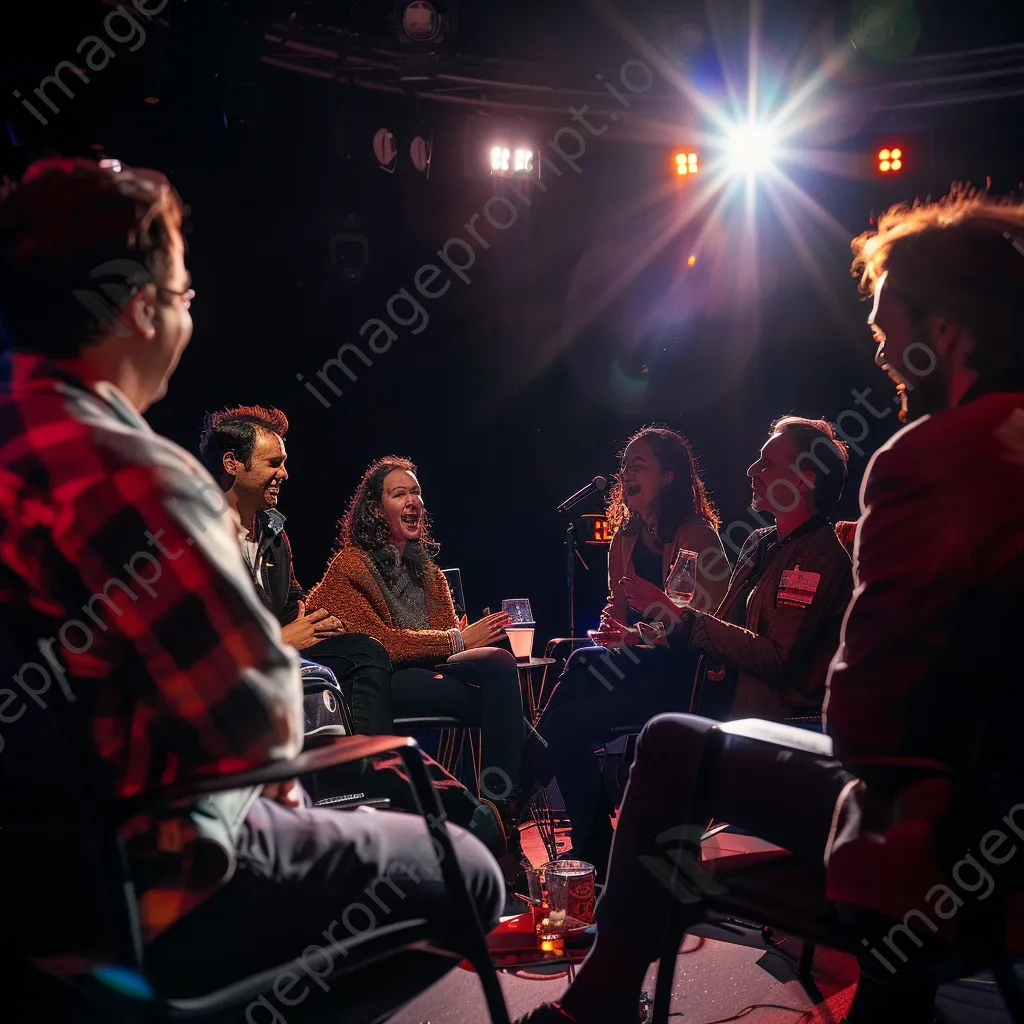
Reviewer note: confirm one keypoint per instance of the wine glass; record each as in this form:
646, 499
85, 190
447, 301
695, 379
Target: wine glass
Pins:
682, 577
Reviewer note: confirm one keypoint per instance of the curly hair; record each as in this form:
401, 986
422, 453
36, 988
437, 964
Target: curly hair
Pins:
961, 258
235, 430
364, 526
68, 225
685, 498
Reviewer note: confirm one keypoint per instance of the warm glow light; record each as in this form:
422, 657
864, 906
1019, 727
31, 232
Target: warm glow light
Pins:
890, 159
691, 261
509, 162
687, 163
500, 158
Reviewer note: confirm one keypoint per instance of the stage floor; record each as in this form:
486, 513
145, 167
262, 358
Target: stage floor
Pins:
714, 981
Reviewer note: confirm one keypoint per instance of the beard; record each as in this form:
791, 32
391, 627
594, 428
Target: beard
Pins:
922, 395
924, 398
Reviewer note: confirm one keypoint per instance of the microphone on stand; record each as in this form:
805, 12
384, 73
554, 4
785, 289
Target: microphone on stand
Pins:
597, 485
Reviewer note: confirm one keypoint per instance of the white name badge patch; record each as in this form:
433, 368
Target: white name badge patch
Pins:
796, 588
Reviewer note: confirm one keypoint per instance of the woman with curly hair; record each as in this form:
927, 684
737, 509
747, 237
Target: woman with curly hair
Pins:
383, 582
658, 505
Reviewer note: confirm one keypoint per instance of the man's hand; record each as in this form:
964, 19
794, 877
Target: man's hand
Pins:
310, 629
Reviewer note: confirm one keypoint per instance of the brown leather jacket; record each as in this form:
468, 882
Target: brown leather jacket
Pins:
791, 626
696, 535
350, 591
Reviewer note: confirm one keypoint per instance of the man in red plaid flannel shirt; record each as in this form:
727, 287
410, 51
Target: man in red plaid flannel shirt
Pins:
122, 579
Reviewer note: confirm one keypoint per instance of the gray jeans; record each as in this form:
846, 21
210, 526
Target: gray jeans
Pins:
307, 881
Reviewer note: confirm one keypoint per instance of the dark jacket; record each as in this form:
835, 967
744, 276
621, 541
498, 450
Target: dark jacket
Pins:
928, 666
280, 592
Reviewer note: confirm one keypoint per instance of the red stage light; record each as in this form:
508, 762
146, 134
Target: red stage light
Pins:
687, 163
890, 160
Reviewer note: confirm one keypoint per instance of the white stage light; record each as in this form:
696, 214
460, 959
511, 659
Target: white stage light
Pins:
750, 149
508, 161
500, 160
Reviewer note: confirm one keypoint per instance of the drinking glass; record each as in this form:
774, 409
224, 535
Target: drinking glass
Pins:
538, 903
682, 577
520, 630
570, 894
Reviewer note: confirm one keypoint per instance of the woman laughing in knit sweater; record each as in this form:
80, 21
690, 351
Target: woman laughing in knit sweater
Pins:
384, 583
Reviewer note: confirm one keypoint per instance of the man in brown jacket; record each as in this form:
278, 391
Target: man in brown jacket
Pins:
766, 649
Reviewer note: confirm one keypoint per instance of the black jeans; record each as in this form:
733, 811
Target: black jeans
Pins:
479, 688
363, 668
600, 690
785, 796
306, 881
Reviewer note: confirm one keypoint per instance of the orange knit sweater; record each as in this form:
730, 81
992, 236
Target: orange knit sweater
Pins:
350, 591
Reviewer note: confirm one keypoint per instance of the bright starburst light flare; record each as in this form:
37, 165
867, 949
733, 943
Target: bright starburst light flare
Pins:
748, 143
748, 146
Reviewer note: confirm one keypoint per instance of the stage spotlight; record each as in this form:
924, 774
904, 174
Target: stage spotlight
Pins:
508, 161
687, 163
750, 148
385, 149
890, 161
420, 150
420, 22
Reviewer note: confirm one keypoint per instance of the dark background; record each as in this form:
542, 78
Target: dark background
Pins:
527, 380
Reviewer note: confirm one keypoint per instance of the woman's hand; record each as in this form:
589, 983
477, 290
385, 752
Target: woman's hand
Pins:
614, 634
644, 597
485, 631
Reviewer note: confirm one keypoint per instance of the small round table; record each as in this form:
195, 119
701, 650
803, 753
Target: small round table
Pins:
530, 696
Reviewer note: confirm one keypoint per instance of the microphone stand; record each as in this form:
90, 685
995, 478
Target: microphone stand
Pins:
572, 552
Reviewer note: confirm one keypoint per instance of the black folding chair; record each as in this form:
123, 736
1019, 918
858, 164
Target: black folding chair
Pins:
75, 908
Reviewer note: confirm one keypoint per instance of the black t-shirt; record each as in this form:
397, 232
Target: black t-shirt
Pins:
646, 565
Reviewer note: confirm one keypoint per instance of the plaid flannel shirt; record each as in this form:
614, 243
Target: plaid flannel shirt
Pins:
119, 562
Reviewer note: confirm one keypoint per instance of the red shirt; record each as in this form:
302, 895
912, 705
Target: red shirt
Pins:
121, 574
938, 586
927, 663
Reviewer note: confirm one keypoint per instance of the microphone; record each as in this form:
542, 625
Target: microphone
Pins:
597, 485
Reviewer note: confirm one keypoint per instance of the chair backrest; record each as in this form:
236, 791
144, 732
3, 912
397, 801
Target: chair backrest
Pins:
324, 701
63, 865
846, 530
454, 578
